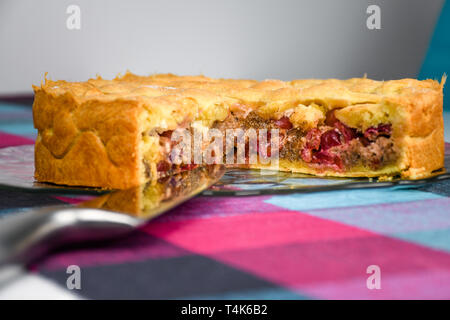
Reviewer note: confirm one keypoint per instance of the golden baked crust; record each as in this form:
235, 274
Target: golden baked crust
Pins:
94, 133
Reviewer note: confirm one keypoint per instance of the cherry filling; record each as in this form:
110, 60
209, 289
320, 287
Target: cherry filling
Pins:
373, 133
330, 138
319, 144
331, 147
256, 122
283, 124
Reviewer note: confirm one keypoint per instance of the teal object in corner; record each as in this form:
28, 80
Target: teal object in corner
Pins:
437, 60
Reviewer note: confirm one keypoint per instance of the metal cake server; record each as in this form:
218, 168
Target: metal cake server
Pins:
25, 236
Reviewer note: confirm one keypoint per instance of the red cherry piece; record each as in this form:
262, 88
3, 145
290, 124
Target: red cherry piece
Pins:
163, 166
313, 139
326, 158
373, 133
347, 133
283, 123
306, 155
329, 139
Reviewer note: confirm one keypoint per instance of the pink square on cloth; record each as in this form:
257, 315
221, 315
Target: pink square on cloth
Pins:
10, 140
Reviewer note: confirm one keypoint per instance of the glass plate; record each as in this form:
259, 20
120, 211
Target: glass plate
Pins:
17, 167
242, 182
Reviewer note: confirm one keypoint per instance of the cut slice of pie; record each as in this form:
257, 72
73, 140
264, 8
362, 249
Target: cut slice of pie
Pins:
118, 133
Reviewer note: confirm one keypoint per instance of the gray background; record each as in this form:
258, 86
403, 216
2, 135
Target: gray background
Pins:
235, 38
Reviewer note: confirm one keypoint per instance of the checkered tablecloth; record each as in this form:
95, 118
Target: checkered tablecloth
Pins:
316, 246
